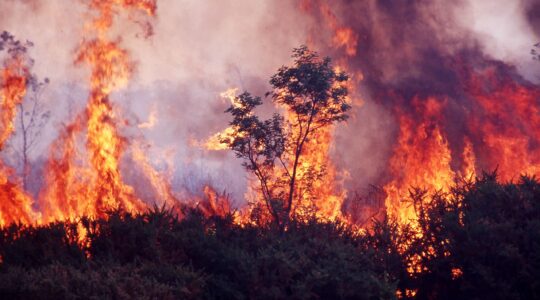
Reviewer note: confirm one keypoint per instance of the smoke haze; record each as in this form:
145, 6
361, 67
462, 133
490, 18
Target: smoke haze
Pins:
197, 49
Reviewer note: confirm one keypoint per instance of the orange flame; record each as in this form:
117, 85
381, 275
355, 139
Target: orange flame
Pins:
344, 37
110, 70
214, 204
162, 187
324, 196
421, 159
96, 185
67, 183
509, 123
83, 177
15, 204
13, 90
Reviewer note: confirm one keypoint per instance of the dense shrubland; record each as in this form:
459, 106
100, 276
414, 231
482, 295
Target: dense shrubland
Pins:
481, 241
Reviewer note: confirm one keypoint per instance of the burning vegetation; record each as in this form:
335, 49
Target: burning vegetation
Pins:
454, 213
287, 154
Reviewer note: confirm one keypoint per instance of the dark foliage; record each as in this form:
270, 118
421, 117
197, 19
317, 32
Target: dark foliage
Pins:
29, 246
491, 233
154, 255
482, 241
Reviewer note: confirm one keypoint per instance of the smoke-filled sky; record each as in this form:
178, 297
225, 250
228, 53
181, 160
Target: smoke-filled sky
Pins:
200, 48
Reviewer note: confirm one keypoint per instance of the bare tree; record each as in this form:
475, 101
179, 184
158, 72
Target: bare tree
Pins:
31, 113
33, 116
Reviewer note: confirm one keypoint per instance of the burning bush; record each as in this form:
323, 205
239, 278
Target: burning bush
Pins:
279, 151
479, 240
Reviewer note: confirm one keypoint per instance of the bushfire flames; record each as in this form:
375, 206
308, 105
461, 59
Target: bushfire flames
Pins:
15, 204
500, 130
421, 158
96, 186
316, 197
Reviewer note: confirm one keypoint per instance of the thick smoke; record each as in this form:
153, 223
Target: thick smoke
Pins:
410, 51
197, 49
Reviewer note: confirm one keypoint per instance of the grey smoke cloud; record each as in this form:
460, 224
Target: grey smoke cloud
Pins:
200, 48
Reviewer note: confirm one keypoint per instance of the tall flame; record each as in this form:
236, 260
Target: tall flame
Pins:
322, 197
95, 186
325, 195
15, 204
13, 91
110, 71
501, 128
421, 158
507, 123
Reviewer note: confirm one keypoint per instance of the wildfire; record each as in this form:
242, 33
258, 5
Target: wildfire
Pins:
160, 185
13, 91
343, 36
68, 182
15, 204
152, 120
82, 177
214, 142
508, 121
501, 131
421, 158
215, 204
324, 196
498, 128
469, 160
96, 185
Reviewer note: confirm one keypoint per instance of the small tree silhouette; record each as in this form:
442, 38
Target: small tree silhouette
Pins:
33, 116
314, 95
32, 113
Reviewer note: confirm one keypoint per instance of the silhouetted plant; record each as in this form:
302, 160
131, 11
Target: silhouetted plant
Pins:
314, 96
480, 240
34, 246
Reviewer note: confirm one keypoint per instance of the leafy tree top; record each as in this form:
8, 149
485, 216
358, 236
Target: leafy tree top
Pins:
313, 95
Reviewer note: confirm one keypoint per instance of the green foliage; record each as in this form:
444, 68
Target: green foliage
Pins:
311, 89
